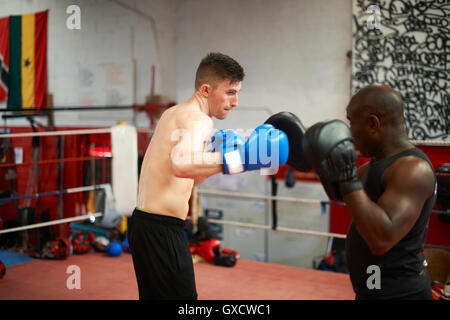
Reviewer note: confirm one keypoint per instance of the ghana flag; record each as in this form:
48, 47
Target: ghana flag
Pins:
24, 62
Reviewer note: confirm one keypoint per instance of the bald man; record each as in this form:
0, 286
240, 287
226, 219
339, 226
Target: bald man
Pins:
385, 241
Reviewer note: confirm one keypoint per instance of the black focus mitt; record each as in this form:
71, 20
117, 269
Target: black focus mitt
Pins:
330, 151
291, 125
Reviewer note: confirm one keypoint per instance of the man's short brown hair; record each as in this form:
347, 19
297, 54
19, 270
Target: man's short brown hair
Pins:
216, 67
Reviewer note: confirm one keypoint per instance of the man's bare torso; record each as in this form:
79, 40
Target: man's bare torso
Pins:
160, 191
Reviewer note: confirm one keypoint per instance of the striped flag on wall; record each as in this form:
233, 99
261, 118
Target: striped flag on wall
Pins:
24, 62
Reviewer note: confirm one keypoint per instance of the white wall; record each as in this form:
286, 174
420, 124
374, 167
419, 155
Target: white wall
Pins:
116, 33
293, 52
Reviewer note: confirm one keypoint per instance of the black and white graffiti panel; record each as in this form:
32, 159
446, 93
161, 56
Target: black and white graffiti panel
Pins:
405, 44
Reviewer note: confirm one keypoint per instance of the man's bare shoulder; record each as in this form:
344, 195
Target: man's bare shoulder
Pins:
412, 172
188, 116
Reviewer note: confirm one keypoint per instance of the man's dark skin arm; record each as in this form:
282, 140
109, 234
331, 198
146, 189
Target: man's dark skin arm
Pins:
408, 183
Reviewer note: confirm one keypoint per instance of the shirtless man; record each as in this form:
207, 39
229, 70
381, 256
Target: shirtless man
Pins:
176, 160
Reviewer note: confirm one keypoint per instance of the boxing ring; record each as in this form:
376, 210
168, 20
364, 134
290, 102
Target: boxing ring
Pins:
103, 277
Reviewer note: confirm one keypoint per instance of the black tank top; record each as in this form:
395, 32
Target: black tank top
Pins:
402, 268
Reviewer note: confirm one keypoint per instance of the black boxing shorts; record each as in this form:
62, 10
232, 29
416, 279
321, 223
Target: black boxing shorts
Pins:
161, 257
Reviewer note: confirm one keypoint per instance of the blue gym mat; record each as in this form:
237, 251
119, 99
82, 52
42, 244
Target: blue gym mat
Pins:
12, 258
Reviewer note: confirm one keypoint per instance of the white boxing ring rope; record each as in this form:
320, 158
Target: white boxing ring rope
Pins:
283, 229
199, 192
58, 221
64, 133
260, 197
55, 133
146, 130
50, 223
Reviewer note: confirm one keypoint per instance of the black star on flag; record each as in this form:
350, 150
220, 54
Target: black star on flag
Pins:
27, 62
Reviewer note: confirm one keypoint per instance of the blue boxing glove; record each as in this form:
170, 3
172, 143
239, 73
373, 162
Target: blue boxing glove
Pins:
232, 147
267, 147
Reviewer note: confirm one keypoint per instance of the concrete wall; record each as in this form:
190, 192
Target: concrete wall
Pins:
293, 52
